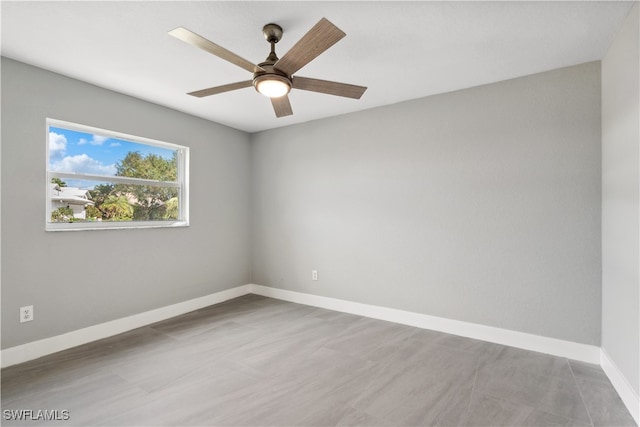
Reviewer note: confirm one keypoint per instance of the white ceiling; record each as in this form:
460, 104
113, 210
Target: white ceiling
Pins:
400, 50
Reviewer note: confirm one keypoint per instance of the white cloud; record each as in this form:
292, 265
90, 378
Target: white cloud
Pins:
98, 140
95, 140
82, 163
57, 144
115, 144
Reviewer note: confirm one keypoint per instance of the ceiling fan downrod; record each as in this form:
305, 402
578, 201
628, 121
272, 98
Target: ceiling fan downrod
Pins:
273, 34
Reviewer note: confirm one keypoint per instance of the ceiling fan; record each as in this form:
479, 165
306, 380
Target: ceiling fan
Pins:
274, 77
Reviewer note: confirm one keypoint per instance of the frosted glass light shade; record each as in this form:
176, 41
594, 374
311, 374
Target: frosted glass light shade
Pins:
272, 86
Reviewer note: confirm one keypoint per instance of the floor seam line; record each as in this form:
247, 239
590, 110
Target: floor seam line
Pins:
580, 392
473, 387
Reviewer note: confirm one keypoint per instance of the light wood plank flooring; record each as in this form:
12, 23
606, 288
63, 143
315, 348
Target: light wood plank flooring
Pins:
259, 361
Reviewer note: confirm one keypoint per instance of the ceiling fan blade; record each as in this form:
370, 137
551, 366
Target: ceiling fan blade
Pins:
321, 37
197, 40
331, 88
282, 106
220, 89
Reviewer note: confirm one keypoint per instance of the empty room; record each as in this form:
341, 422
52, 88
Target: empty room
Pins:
320, 213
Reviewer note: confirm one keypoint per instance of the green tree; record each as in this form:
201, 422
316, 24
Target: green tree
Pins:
124, 202
150, 202
99, 195
116, 208
100, 192
58, 181
171, 208
93, 212
151, 166
63, 214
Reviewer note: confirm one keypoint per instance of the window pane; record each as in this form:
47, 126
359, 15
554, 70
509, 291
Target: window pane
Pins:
85, 201
73, 151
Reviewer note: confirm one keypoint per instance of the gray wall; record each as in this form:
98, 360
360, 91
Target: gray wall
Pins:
481, 205
112, 274
621, 201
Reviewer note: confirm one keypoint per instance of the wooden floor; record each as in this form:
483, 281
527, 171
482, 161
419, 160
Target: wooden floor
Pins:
259, 361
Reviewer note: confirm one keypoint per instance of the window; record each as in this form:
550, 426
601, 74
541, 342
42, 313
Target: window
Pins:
99, 179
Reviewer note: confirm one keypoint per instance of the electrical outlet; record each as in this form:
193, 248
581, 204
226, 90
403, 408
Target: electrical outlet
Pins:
26, 314
314, 274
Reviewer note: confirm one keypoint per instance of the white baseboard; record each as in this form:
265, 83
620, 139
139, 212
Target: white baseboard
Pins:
571, 350
556, 347
622, 386
36, 349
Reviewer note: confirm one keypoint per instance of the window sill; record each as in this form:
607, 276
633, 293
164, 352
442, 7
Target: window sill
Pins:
105, 225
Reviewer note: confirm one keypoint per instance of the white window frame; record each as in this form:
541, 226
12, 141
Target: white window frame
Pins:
181, 183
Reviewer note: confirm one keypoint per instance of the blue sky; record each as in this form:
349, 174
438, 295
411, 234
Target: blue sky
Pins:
81, 152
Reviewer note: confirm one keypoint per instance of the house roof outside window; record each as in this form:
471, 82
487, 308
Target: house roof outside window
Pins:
71, 195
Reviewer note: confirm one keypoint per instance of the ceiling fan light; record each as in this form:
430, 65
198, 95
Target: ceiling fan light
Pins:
272, 86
